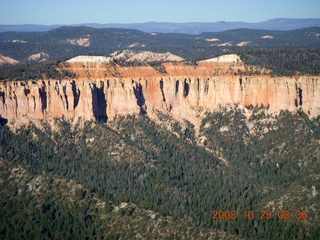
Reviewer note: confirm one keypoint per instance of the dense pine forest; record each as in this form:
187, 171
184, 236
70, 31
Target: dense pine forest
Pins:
72, 180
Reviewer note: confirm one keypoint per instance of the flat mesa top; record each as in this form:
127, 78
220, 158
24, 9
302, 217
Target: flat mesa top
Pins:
94, 59
224, 58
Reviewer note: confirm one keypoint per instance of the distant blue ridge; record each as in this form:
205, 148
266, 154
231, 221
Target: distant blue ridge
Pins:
282, 24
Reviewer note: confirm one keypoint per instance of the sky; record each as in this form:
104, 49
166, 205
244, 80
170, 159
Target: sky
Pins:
50, 12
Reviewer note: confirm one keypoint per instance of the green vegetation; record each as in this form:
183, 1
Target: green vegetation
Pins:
46, 206
284, 61
286, 53
272, 163
281, 61
34, 71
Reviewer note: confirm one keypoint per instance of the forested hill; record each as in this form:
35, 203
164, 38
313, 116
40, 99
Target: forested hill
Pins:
138, 180
70, 41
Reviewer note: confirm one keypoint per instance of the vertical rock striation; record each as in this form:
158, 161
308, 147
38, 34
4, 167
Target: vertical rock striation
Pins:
137, 90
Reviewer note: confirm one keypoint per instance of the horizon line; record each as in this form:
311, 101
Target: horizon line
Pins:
127, 23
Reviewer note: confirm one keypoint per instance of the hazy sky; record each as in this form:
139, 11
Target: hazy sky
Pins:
136, 11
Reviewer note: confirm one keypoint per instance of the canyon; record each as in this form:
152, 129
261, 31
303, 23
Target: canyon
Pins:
104, 90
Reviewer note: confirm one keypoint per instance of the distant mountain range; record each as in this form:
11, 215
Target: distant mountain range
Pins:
283, 24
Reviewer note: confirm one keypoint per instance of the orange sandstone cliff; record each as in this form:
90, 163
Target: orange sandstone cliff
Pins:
103, 90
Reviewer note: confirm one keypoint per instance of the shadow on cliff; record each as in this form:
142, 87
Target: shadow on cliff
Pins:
140, 98
3, 121
298, 100
43, 97
76, 94
161, 88
99, 103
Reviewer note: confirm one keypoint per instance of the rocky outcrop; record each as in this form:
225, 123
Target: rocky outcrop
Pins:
229, 58
89, 59
184, 91
81, 41
145, 56
39, 57
6, 60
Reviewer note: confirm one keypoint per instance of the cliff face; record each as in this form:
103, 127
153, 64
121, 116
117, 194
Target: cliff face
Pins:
103, 91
